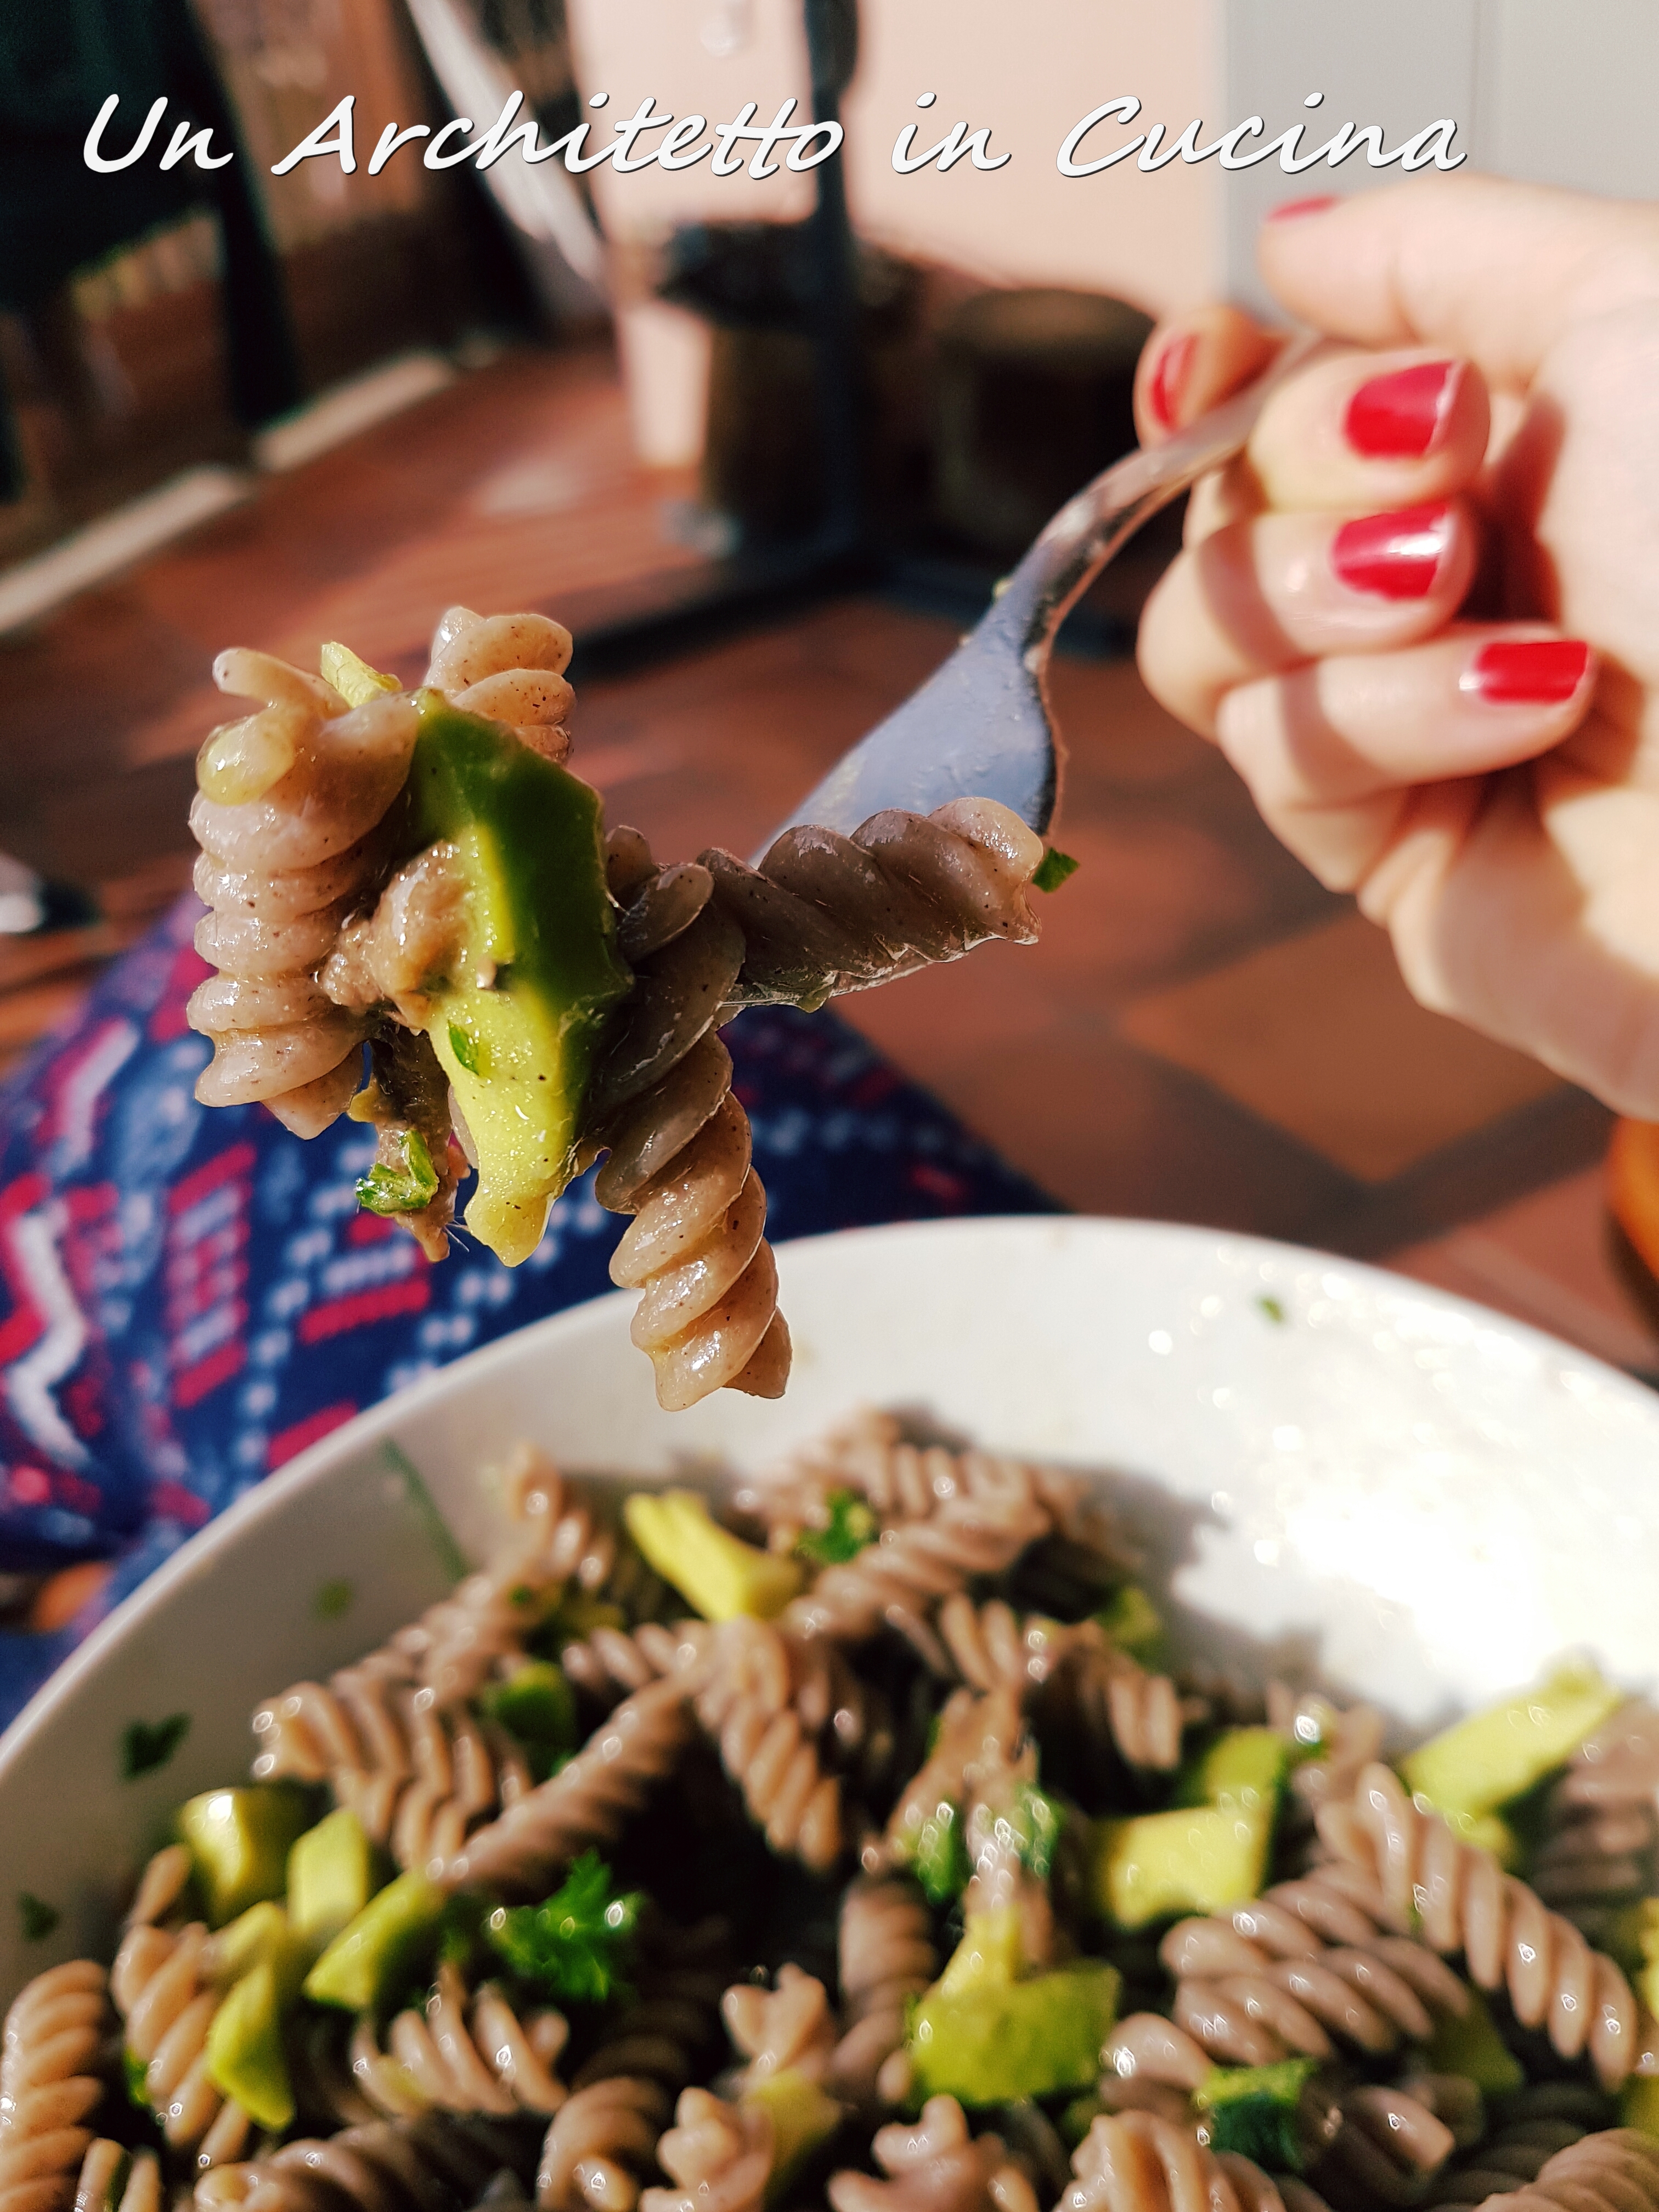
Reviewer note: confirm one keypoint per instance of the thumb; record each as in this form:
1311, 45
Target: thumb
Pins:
1493, 271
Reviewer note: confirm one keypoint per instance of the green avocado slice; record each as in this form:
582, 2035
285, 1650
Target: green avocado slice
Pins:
518, 1029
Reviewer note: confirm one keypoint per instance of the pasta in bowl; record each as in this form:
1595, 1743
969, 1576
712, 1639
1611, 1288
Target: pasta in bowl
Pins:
888, 1809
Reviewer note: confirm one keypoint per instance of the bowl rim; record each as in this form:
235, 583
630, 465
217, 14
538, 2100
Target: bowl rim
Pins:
314, 1463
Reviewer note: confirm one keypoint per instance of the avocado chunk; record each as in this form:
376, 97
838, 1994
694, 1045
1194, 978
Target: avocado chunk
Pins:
994, 2043
331, 1876
536, 1706
804, 2116
713, 1569
1242, 1770
1472, 2046
1211, 1851
261, 1936
517, 1028
1638, 2104
989, 1954
239, 1841
1253, 2110
1481, 1763
367, 1960
1159, 1864
244, 2055
1134, 1623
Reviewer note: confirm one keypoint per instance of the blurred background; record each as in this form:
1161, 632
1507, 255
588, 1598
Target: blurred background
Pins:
765, 447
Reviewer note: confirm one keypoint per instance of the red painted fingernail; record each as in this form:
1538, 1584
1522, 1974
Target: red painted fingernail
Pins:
1403, 416
1396, 555
1317, 205
1170, 374
1532, 672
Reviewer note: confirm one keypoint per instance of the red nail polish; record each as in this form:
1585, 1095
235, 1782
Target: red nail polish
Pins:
1290, 208
1398, 556
1170, 374
1401, 417
1532, 672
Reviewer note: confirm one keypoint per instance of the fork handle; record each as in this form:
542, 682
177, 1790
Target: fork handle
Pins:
1076, 545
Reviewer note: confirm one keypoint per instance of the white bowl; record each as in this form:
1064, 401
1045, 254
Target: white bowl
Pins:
1414, 1499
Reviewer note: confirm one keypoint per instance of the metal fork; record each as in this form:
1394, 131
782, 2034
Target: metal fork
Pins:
982, 725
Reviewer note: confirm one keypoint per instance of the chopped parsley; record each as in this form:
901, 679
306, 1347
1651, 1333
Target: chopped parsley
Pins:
1053, 869
851, 1525
146, 1745
1272, 1308
404, 1189
35, 1917
938, 1853
576, 1945
466, 1048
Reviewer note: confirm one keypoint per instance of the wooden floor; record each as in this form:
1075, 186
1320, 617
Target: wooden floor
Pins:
1204, 1034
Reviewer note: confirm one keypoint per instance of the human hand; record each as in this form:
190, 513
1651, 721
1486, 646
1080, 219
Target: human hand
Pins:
1420, 614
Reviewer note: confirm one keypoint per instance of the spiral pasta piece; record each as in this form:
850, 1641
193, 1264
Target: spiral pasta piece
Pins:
1116, 1702
1137, 2162
589, 1799
435, 2162
1460, 1899
899, 1581
1260, 1980
680, 1147
976, 1737
162, 1986
1536, 2125
50, 2088
461, 2053
612, 1662
824, 914
1600, 1852
787, 2028
933, 2165
508, 668
885, 1956
747, 1703
1386, 2147
1616, 2170
113, 2178
601, 2141
720, 2154
290, 801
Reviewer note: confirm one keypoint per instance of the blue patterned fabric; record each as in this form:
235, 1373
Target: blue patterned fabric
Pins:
188, 1299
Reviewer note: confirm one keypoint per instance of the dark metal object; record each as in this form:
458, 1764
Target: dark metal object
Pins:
980, 727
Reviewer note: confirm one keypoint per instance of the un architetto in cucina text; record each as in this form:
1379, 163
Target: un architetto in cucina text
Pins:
1095, 145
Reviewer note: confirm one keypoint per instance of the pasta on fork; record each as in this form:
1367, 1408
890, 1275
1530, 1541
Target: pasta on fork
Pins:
417, 873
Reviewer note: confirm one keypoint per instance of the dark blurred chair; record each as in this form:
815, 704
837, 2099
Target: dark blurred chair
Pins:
59, 62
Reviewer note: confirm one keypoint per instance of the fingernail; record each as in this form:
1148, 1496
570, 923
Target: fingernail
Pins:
1401, 417
1168, 377
1317, 205
1398, 556
1533, 671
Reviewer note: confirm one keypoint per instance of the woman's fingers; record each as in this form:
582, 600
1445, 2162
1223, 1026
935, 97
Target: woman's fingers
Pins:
1260, 596
1330, 752
1192, 364
1355, 432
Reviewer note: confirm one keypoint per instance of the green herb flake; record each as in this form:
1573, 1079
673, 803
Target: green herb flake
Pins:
466, 1048
404, 1189
334, 1599
1272, 1308
1253, 2110
35, 1917
575, 1947
147, 1745
851, 1525
134, 2072
938, 1853
456, 1565
1053, 869
1033, 1828
1132, 1622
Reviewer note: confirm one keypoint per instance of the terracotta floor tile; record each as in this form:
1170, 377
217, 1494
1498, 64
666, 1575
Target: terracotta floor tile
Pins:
1318, 1035
1549, 1259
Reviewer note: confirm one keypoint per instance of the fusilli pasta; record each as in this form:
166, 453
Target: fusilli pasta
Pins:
163, 1987
886, 1956
1462, 1900
461, 2053
933, 2165
386, 2165
50, 2085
